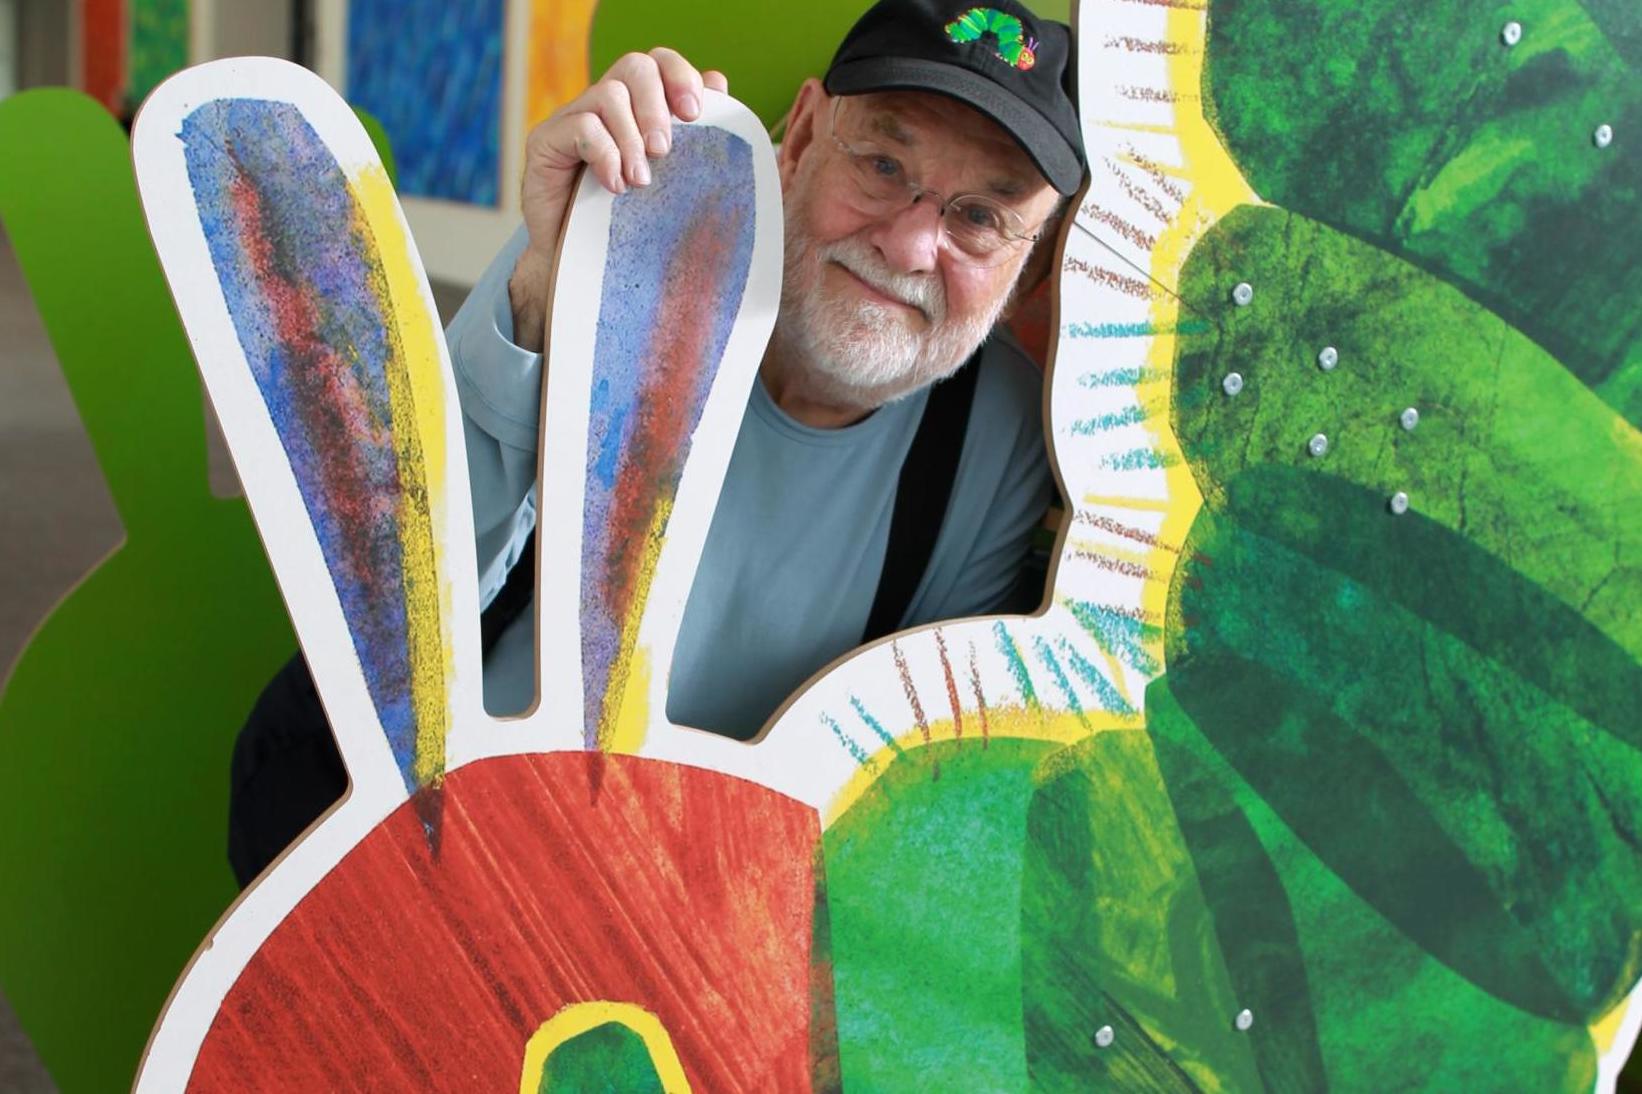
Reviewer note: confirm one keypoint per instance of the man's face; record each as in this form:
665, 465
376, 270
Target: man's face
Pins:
877, 302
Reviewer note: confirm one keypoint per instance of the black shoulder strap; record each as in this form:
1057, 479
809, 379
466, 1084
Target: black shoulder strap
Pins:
512, 599
921, 497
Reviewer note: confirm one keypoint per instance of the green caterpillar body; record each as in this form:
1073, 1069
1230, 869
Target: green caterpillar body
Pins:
976, 23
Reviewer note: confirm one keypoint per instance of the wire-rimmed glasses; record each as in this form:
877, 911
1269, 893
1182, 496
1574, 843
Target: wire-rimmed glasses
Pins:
983, 231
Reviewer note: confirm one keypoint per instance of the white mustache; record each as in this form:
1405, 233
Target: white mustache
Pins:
921, 291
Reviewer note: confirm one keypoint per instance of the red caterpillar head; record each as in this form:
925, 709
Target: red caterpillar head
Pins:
1029, 55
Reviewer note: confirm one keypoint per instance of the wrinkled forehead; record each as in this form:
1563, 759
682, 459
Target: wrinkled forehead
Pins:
926, 124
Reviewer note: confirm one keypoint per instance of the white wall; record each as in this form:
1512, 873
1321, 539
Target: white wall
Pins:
239, 28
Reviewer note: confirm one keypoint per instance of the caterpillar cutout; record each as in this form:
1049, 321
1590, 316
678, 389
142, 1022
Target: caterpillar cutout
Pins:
976, 23
1169, 829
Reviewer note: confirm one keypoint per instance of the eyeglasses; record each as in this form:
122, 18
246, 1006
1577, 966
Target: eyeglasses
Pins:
983, 232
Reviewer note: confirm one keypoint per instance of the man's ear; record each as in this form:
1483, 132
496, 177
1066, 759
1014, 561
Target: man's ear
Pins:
807, 109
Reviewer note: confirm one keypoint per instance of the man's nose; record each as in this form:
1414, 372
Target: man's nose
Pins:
910, 239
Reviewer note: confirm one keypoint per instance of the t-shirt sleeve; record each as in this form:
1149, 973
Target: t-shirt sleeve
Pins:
1004, 487
499, 385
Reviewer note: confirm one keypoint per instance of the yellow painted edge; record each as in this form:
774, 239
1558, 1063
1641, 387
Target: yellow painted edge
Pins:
1160, 505
1605, 1030
416, 393
578, 1018
625, 711
630, 724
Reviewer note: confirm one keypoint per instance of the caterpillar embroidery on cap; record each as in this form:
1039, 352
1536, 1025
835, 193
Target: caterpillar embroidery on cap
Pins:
976, 23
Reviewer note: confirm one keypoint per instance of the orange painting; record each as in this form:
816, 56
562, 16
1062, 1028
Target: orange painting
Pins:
560, 34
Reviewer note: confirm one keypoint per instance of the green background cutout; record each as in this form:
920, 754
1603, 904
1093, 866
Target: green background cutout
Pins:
113, 838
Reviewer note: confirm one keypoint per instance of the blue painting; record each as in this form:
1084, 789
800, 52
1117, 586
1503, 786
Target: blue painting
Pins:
678, 265
431, 71
300, 279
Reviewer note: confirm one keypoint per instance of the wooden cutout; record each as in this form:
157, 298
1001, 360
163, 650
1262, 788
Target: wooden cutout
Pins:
214, 152
977, 846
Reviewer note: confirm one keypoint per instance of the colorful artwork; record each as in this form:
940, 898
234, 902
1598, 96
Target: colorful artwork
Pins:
338, 366
1318, 771
271, 297
1394, 710
1016, 50
658, 347
437, 92
492, 932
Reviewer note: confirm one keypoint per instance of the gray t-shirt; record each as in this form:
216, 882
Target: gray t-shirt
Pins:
792, 560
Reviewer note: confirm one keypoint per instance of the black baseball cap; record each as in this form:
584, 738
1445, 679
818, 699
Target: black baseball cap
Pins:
1002, 60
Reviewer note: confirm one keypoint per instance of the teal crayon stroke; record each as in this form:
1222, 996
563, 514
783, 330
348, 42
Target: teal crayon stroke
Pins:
1047, 656
1088, 427
875, 725
846, 740
1017, 665
1110, 697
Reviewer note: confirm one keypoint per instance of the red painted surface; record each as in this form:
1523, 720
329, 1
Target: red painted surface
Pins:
687, 892
102, 52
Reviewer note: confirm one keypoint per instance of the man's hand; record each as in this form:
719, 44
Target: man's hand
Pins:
614, 127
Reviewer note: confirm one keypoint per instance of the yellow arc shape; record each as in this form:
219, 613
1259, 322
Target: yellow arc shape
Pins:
578, 1018
1216, 188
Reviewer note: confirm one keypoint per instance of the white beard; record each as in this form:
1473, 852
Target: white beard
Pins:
860, 354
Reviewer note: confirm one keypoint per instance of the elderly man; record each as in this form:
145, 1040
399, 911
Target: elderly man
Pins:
861, 496
916, 178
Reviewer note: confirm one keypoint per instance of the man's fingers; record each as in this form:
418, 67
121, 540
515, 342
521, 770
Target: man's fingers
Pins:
649, 110
681, 80
615, 109
620, 123
592, 143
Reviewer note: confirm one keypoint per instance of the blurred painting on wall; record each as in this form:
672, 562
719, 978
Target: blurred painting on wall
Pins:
159, 44
128, 46
558, 72
437, 91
